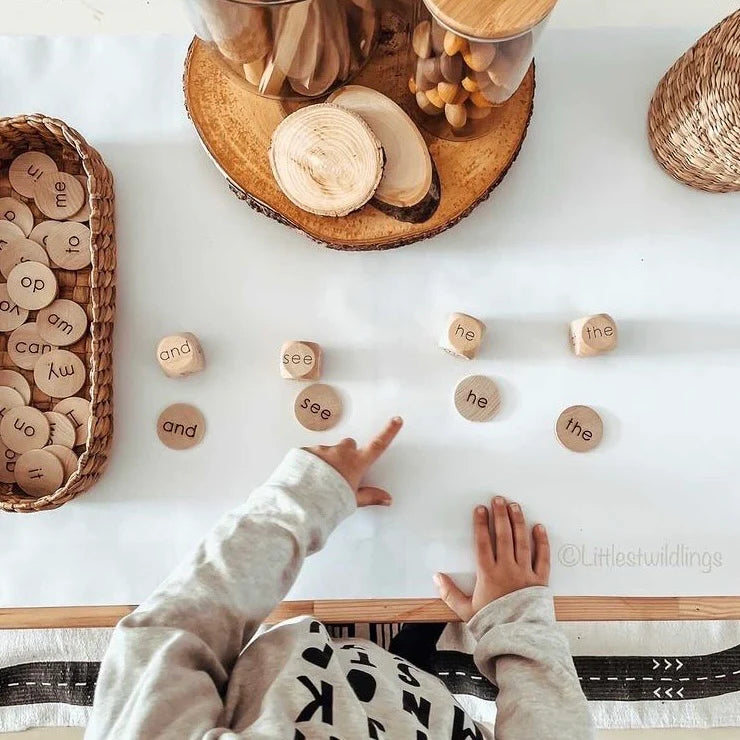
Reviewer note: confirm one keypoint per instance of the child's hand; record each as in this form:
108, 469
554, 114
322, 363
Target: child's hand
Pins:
506, 561
353, 462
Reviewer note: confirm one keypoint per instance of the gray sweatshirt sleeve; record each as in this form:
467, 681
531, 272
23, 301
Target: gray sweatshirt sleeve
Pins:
522, 651
168, 663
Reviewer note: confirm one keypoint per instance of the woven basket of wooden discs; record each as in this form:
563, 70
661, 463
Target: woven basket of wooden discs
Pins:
57, 303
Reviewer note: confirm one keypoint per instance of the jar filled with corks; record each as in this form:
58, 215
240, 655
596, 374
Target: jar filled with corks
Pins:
468, 57
288, 49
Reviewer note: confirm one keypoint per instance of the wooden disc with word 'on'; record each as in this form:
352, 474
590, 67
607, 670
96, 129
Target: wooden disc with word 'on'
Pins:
78, 411
59, 373
25, 346
11, 314
17, 382
24, 428
32, 285
39, 472
318, 407
181, 426
58, 195
61, 431
477, 398
579, 428
62, 322
26, 169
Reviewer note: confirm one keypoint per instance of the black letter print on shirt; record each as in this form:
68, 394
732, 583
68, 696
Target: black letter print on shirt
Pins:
418, 707
318, 657
362, 658
404, 674
372, 727
459, 731
323, 699
362, 683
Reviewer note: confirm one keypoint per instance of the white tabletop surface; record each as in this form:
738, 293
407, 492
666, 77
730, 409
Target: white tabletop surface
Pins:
585, 222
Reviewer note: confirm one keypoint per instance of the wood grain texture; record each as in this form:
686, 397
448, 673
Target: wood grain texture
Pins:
235, 127
340, 611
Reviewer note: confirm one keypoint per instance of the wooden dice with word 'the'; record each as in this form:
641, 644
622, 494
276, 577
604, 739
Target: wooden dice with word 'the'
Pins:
593, 335
463, 336
180, 355
300, 360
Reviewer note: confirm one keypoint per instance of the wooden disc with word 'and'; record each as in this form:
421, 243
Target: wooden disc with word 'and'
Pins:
477, 398
579, 428
181, 426
318, 407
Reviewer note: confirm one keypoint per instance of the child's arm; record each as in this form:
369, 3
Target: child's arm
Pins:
520, 647
168, 664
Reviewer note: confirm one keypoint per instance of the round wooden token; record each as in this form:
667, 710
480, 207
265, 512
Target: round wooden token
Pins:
69, 246
9, 232
477, 398
26, 169
181, 426
61, 431
9, 399
86, 211
11, 314
65, 456
24, 428
32, 285
21, 250
59, 373
7, 464
298, 359
17, 382
600, 333
579, 428
25, 346
17, 213
41, 231
318, 407
39, 472
61, 323
78, 411
58, 195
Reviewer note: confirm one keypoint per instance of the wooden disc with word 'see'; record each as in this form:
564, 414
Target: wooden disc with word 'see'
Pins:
318, 407
477, 398
59, 373
181, 426
579, 428
39, 472
299, 359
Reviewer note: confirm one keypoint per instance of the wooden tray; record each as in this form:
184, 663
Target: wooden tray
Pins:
92, 287
235, 127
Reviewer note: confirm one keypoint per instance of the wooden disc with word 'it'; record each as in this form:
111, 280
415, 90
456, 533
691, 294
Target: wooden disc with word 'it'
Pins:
21, 250
181, 426
17, 382
59, 373
25, 346
17, 213
26, 169
39, 472
62, 322
24, 428
78, 411
477, 398
579, 428
11, 314
61, 431
65, 456
235, 127
318, 407
32, 285
58, 195
68, 246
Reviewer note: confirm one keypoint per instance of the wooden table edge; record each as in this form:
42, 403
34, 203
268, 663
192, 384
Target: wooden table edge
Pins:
342, 611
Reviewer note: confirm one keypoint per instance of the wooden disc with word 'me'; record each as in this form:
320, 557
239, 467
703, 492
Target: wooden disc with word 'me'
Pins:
235, 127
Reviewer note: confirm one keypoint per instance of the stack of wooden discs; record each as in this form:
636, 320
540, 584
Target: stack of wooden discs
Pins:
45, 255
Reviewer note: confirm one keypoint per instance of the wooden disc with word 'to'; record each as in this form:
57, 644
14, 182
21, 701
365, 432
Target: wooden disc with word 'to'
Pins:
17, 382
78, 411
21, 250
39, 472
24, 428
32, 285
17, 213
11, 314
65, 456
61, 431
477, 398
25, 346
26, 169
318, 407
59, 373
68, 246
579, 428
7, 463
62, 322
181, 426
58, 195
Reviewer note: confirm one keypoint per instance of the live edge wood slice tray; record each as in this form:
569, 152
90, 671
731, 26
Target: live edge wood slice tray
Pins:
236, 125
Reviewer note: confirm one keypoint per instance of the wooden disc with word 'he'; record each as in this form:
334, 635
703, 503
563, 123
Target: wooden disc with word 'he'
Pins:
17, 213
25, 346
65, 456
32, 285
24, 428
39, 472
59, 373
11, 314
78, 411
21, 250
61, 431
68, 246
579, 428
17, 382
58, 195
181, 426
318, 407
26, 169
477, 398
62, 322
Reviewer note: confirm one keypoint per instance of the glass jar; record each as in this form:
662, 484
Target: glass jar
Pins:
456, 78
289, 49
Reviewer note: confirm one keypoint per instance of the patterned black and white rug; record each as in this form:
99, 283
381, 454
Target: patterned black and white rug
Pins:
635, 674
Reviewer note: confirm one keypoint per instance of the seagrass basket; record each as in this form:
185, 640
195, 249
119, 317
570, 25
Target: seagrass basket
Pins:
92, 287
694, 118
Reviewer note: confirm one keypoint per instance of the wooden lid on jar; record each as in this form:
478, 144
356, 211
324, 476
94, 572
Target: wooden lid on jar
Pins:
490, 19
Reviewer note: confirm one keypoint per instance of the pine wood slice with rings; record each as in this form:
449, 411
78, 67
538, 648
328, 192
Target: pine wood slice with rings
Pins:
326, 160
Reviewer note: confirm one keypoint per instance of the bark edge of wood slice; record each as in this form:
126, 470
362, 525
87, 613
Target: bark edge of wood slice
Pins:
235, 127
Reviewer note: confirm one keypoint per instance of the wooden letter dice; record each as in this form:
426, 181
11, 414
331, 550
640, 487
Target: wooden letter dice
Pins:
593, 335
463, 336
300, 360
180, 354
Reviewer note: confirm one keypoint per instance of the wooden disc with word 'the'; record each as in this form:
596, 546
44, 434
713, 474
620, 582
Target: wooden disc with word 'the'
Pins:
68, 246
61, 431
25, 346
318, 407
24, 428
181, 426
17, 382
78, 411
32, 285
477, 398
26, 169
579, 428
11, 314
62, 322
59, 373
39, 472
58, 195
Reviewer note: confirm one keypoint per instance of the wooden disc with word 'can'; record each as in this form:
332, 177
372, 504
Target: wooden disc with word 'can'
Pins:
318, 407
181, 426
477, 398
579, 428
